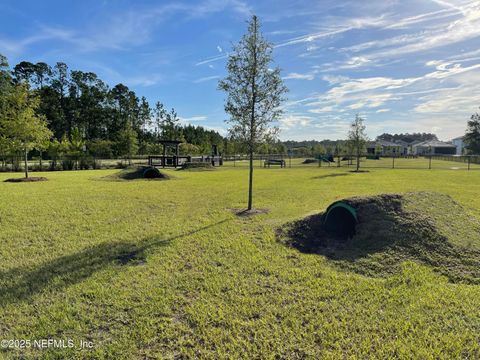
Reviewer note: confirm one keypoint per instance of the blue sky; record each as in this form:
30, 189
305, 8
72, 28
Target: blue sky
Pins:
405, 66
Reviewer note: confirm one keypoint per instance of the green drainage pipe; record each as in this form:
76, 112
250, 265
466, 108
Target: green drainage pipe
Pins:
340, 219
151, 173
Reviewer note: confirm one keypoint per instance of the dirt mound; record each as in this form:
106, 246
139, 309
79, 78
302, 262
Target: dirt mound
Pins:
309, 161
29, 179
428, 228
137, 173
197, 166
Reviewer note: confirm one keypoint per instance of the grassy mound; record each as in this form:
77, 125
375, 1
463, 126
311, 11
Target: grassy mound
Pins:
137, 173
428, 228
197, 166
29, 179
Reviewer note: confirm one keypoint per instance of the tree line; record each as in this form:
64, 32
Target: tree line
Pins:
76, 116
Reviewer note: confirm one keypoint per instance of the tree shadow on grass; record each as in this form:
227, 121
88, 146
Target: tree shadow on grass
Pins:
22, 283
330, 175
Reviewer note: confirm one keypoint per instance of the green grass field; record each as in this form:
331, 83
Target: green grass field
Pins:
164, 269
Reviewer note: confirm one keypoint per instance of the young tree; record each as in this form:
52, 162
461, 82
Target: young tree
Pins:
357, 138
77, 146
254, 92
127, 143
472, 135
20, 125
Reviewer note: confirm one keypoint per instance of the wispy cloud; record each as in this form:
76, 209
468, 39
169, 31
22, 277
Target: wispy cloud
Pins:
297, 76
211, 59
194, 118
206, 78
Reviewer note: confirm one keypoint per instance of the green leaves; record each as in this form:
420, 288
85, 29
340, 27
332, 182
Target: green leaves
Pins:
472, 136
254, 89
22, 128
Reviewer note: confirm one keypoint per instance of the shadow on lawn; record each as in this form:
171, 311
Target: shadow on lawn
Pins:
21, 283
330, 175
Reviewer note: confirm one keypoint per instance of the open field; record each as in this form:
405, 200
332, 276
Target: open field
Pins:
163, 269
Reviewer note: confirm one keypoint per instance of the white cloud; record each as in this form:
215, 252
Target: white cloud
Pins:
298, 76
206, 78
346, 25
211, 59
194, 118
294, 120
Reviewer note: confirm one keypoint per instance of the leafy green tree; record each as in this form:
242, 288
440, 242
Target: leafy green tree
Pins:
127, 143
77, 146
319, 149
42, 72
22, 128
357, 138
24, 72
472, 135
254, 92
54, 152
166, 123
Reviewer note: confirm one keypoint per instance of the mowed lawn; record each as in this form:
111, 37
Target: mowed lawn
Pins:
163, 269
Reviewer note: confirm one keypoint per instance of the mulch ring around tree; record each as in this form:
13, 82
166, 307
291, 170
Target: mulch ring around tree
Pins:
248, 213
29, 179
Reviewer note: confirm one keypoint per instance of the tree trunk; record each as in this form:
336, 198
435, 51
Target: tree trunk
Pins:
358, 159
250, 181
26, 163
252, 116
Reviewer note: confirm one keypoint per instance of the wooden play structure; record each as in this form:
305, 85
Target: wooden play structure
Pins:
172, 158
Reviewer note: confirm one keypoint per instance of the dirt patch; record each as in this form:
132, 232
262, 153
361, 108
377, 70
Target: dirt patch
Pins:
137, 173
428, 228
248, 213
359, 171
29, 179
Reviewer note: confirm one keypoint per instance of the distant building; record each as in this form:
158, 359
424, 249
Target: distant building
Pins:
434, 147
405, 146
382, 147
460, 144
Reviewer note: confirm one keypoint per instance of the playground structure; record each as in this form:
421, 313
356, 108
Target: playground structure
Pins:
173, 159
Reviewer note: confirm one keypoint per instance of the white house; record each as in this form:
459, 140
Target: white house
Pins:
460, 144
434, 147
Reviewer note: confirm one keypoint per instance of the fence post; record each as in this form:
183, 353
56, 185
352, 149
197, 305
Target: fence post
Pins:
468, 162
289, 161
430, 162
393, 161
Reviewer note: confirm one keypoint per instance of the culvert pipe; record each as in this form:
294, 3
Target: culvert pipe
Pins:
340, 220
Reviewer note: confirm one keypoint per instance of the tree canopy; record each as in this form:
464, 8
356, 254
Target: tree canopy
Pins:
472, 135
